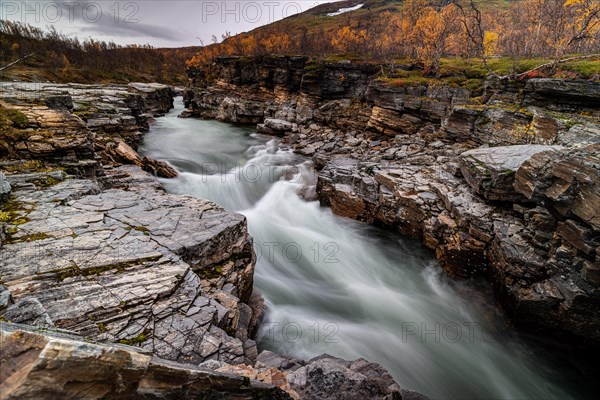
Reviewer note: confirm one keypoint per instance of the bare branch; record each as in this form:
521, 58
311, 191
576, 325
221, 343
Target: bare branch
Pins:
14, 62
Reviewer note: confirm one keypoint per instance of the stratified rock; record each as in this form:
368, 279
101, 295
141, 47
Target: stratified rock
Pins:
50, 365
491, 171
158, 98
55, 138
580, 135
569, 181
158, 168
574, 91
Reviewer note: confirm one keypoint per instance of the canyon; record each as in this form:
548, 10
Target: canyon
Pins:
112, 287
501, 181
103, 270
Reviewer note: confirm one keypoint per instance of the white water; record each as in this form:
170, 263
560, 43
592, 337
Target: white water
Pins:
341, 287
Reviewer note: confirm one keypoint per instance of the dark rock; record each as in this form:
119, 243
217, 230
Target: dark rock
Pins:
5, 298
327, 377
278, 125
564, 91
28, 310
58, 102
491, 171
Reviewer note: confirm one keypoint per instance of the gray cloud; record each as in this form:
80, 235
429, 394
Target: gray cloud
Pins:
158, 22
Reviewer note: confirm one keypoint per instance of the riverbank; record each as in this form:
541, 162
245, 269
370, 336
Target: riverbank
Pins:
334, 285
502, 183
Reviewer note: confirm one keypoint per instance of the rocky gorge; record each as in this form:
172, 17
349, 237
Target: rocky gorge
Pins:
112, 288
501, 181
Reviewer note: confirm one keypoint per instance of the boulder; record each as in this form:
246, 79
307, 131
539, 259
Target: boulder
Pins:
563, 91
278, 125
491, 171
326, 377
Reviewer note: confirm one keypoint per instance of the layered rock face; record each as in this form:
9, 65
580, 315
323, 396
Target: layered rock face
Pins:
74, 126
501, 182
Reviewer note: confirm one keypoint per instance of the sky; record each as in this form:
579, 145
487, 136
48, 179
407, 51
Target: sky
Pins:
161, 23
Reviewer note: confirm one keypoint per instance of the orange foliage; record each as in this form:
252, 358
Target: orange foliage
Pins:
424, 33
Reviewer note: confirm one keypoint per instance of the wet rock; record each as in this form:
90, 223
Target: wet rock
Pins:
158, 168
278, 125
491, 171
327, 377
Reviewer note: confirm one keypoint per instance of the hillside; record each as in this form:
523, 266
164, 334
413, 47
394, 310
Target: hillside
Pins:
487, 37
58, 58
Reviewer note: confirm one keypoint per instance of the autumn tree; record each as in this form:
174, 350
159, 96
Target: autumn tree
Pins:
347, 39
432, 31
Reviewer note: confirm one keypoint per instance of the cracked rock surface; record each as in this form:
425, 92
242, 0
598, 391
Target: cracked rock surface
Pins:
135, 265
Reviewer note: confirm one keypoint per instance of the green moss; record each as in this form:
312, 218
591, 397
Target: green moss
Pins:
5, 216
29, 238
13, 117
141, 338
246, 383
142, 229
46, 181
101, 327
212, 272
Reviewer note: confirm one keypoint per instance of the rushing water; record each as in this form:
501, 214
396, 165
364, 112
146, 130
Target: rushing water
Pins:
344, 288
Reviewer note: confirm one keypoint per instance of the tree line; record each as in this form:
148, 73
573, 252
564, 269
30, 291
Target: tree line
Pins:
425, 31
89, 59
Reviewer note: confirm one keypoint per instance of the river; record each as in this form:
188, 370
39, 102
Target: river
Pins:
341, 287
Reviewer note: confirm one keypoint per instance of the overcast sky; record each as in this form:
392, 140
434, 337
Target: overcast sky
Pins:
162, 23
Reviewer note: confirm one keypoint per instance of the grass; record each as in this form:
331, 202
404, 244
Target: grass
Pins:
10, 117
471, 74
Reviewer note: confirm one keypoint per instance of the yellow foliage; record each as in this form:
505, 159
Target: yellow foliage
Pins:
490, 41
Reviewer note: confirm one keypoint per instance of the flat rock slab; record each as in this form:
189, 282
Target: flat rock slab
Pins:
135, 265
490, 171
